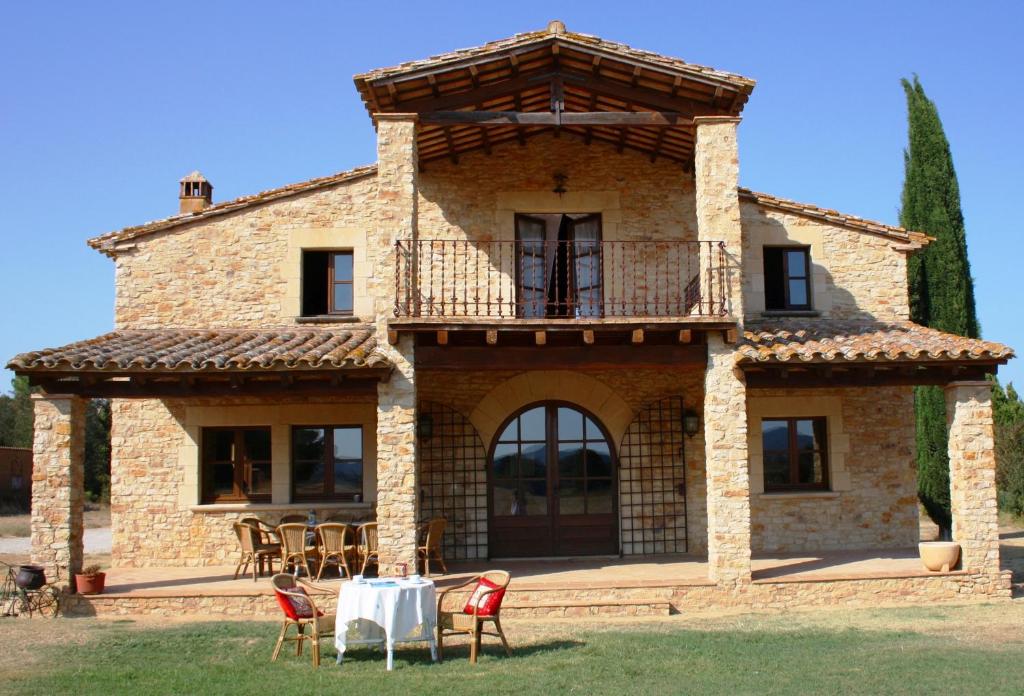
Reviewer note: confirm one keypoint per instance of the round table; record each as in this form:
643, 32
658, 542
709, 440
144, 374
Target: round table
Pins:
404, 610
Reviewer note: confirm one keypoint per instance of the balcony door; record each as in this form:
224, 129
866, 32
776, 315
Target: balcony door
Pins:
552, 485
559, 265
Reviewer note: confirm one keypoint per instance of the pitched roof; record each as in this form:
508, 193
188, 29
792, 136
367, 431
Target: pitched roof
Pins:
553, 34
826, 341
197, 350
105, 242
915, 239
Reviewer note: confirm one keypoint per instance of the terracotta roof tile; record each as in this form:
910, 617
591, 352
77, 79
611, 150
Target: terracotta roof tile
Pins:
568, 37
105, 242
834, 217
185, 350
837, 341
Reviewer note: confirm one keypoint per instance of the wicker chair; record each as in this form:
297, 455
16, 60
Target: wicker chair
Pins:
337, 546
431, 546
268, 533
293, 547
322, 626
366, 538
457, 621
254, 550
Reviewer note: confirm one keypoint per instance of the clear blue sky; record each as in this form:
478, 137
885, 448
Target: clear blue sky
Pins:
104, 106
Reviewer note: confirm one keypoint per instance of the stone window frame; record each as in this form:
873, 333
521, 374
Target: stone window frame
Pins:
799, 406
281, 418
328, 239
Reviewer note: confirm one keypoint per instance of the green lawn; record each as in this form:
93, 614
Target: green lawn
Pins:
755, 656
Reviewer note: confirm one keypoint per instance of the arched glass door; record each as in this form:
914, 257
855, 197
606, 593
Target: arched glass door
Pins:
552, 485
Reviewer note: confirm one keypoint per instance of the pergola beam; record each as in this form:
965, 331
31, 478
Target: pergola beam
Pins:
619, 119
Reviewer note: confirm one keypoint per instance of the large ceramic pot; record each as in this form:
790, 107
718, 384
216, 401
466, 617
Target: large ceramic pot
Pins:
90, 584
939, 555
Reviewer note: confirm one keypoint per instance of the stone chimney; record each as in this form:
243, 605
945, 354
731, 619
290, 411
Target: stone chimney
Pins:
196, 193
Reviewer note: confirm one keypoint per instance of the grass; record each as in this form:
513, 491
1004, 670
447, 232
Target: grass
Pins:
962, 650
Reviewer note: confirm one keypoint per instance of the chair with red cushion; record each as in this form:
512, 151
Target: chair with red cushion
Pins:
482, 607
300, 611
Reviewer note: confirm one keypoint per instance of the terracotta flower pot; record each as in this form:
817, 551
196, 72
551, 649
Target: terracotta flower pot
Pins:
90, 584
939, 555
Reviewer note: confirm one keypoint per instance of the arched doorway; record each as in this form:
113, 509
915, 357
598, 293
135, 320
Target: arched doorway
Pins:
551, 484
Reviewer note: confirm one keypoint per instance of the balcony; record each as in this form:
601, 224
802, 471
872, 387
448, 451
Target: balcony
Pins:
548, 281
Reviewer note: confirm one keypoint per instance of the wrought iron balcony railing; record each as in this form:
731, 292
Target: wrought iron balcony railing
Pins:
559, 279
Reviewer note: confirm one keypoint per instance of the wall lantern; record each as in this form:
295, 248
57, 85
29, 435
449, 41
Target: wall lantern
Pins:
425, 426
560, 180
691, 423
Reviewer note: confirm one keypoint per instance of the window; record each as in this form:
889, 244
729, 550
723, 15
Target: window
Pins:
326, 283
327, 462
787, 282
236, 464
795, 453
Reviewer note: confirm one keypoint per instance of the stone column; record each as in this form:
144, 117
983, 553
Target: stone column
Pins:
726, 461
972, 474
397, 478
58, 479
716, 177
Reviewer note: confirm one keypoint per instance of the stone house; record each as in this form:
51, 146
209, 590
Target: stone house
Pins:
548, 313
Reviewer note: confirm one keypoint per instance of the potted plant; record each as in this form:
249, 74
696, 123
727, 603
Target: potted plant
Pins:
939, 556
90, 580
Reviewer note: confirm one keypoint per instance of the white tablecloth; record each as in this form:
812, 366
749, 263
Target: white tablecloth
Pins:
406, 611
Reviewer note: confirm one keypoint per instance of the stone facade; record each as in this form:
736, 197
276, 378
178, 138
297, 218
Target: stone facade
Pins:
397, 497
725, 457
872, 497
58, 458
972, 474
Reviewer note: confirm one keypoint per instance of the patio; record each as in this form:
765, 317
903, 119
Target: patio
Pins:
570, 587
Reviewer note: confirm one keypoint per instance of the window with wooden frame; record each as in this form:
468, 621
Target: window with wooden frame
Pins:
327, 462
327, 283
236, 464
795, 454
787, 278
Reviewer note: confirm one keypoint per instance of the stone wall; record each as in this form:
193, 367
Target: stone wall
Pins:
156, 517
58, 477
854, 275
873, 498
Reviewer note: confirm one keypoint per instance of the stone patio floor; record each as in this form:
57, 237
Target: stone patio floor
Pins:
577, 573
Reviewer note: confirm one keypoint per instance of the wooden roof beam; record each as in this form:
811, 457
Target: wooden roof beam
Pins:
618, 119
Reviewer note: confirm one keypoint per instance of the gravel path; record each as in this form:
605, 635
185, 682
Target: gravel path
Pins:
96, 541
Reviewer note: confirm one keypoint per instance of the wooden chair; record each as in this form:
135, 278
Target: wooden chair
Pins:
457, 621
337, 546
431, 545
293, 547
254, 551
320, 625
292, 519
366, 538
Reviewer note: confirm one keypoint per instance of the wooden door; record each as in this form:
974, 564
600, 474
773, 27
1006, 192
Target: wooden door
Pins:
552, 485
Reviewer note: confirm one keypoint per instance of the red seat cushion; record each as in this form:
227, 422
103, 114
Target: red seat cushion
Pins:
295, 607
487, 605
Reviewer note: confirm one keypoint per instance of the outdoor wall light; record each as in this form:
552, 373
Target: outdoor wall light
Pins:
691, 423
560, 180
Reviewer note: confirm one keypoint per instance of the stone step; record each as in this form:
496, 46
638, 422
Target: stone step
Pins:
565, 609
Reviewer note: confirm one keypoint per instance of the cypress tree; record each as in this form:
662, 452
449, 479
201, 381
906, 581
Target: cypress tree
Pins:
939, 278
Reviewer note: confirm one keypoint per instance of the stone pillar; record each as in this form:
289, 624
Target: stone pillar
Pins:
726, 461
58, 479
397, 478
972, 474
716, 177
